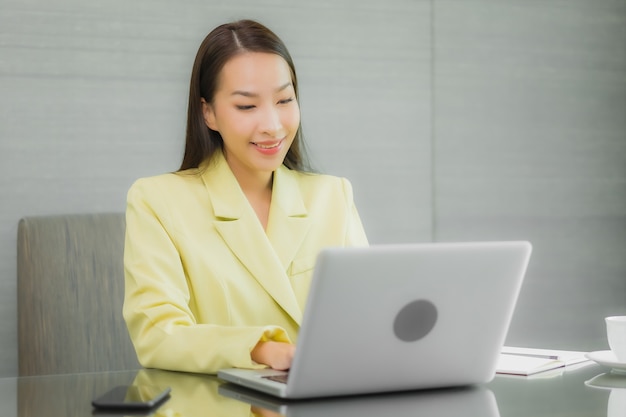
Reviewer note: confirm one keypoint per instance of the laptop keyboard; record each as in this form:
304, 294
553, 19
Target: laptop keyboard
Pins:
278, 378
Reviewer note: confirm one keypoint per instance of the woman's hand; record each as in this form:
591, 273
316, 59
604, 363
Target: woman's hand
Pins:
276, 355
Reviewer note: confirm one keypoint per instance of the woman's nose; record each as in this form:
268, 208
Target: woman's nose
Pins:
271, 123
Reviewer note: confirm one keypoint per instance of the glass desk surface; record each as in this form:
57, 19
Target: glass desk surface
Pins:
591, 390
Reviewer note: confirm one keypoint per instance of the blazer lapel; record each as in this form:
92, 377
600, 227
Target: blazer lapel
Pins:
289, 223
241, 230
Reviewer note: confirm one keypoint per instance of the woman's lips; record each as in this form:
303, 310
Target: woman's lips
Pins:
268, 148
267, 145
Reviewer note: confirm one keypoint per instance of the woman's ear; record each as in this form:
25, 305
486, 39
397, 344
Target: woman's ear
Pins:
209, 115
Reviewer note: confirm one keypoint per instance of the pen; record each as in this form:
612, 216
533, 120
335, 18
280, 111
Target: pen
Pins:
533, 355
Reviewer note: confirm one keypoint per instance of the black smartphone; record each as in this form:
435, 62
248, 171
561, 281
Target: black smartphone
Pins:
132, 397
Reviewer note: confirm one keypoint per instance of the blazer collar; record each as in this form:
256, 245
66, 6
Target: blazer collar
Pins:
266, 254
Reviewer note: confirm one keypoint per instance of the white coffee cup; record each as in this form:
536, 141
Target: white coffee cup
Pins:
616, 335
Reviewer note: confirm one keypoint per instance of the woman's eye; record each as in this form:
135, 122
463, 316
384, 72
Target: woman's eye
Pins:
285, 101
249, 107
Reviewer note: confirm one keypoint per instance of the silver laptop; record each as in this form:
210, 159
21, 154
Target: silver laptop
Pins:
400, 317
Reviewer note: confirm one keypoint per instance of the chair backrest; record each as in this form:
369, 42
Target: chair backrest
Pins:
70, 293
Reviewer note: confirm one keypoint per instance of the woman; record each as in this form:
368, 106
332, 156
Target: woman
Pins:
219, 255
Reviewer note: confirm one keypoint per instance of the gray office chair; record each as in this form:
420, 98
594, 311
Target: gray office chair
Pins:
70, 293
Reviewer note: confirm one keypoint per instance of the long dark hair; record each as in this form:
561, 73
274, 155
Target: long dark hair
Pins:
223, 43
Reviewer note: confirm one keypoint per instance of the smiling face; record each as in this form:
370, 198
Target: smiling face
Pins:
256, 112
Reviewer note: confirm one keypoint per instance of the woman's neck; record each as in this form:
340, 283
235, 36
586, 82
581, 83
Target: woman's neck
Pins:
257, 187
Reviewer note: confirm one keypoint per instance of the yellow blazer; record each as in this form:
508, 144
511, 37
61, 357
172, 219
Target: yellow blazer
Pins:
205, 283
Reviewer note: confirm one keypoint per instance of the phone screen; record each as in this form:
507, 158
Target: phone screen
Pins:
132, 396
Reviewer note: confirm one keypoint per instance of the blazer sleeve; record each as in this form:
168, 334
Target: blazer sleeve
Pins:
156, 308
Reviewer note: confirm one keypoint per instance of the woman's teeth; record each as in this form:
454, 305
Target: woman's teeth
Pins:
263, 146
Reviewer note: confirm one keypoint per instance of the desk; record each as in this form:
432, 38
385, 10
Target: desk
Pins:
565, 394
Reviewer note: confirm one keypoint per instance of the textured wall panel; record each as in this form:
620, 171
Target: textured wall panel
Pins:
530, 143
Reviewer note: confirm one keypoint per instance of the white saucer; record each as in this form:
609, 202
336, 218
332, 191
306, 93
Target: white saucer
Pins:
607, 358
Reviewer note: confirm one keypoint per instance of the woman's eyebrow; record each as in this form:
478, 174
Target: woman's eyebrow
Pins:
284, 86
251, 94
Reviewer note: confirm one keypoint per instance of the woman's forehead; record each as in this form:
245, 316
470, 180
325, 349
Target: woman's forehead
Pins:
255, 73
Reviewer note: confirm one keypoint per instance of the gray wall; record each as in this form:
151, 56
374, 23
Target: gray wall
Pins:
455, 120
530, 143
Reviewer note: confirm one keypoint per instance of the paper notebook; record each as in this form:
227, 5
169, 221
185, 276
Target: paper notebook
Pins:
530, 361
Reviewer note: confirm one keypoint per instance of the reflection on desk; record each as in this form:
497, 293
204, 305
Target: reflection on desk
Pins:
205, 395
615, 383
468, 401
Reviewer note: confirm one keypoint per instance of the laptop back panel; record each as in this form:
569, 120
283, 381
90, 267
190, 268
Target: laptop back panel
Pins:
397, 317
